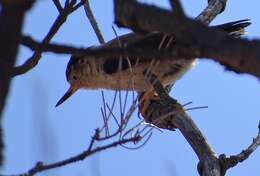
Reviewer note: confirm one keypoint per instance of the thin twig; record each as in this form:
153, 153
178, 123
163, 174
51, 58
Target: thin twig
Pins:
111, 112
93, 22
233, 160
42, 167
58, 5
195, 108
35, 58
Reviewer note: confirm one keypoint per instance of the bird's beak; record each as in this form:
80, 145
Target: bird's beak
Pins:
69, 92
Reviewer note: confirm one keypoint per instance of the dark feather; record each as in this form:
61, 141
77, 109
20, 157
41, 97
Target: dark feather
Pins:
111, 65
235, 28
174, 70
72, 62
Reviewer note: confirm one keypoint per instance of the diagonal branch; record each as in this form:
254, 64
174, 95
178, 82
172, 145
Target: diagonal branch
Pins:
93, 22
233, 160
209, 164
40, 167
214, 8
58, 5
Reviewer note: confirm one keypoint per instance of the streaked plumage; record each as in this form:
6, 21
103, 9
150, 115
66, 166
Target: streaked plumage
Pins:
95, 73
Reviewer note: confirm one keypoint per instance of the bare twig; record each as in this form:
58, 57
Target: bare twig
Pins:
42, 167
121, 141
101, 40
59, 21
197, 107
58, 5
233, 160
93, 22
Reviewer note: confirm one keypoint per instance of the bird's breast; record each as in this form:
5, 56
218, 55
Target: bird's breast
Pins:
132, 77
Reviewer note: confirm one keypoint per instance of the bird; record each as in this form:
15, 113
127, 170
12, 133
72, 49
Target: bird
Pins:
128, 73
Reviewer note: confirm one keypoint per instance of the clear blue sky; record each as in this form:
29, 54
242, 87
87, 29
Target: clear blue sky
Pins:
37, 131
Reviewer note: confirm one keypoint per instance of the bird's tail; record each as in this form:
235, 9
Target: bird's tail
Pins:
235, 28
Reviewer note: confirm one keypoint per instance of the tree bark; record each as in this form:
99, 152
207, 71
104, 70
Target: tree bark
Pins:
11, 22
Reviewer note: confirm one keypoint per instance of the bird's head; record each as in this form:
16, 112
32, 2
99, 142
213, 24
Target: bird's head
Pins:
76, 68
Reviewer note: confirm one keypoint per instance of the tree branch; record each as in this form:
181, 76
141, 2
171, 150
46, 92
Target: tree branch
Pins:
93, 21
209, 165
70, 6
194, 38
40, 167
11, 22
233, 160
58, 5
239, 55
214, 8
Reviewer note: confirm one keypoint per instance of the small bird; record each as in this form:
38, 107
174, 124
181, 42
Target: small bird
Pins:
126, 73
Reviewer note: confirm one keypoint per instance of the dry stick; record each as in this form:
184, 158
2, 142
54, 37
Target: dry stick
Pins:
229, 162
101, 40
93, 22
42, 167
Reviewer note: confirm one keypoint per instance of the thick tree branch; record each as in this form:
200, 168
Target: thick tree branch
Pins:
214, 8
194, 38
239, 55
209, 164
11, 22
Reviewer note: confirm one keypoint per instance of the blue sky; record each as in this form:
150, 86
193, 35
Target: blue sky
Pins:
37, 131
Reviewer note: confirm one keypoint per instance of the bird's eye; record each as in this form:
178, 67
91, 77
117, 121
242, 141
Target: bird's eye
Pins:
74, 77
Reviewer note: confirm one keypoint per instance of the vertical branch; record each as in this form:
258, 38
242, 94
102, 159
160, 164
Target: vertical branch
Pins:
11, 23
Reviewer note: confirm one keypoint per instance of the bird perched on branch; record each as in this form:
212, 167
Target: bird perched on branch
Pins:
118, 73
